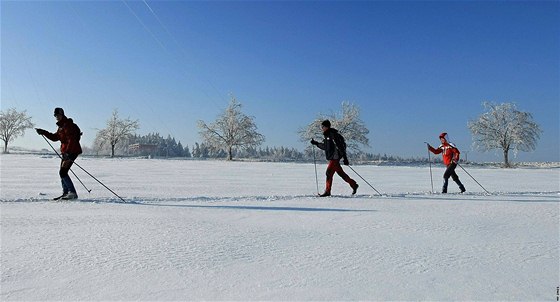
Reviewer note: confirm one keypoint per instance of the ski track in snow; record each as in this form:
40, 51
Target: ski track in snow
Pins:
551, 196
197, 231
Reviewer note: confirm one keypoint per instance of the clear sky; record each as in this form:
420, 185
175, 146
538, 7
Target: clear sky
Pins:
415, 69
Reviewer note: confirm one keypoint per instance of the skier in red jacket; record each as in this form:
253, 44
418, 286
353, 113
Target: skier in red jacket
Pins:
69, 135
450, 155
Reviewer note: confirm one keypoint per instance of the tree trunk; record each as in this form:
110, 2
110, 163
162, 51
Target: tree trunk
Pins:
230, 157
506, 158
6, 146
112, 150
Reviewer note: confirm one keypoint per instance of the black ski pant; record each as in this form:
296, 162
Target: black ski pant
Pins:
450, 172
65, 165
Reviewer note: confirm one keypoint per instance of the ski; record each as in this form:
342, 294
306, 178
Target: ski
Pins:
58, 197
343, 196
61, 198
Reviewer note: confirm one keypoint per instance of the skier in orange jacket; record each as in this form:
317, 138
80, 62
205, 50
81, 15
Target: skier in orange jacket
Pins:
450, 155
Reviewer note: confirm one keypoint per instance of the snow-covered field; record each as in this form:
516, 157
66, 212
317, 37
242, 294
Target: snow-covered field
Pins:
214, 230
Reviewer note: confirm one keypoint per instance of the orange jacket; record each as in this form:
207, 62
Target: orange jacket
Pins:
450, 153
68, 134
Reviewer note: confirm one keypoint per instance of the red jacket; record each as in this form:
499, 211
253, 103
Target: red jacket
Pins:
450, 152
68, 134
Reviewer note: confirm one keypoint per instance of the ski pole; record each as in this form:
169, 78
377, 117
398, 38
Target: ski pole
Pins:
89, 191
430, 162
315, 164
100, 182
473, 179
364, 180
87, 173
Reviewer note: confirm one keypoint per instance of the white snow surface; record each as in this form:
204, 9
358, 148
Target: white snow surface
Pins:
217, 230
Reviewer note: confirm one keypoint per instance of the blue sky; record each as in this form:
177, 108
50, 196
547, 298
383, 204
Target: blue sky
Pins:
415, 69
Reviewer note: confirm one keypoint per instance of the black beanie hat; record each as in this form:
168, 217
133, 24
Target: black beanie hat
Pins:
326, 123
58, 111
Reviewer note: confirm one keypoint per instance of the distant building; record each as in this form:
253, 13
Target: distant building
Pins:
142, 149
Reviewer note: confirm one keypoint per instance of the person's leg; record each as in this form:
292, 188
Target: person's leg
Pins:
346, 178
62, 181
331, 169
450, 170
67, 184
455, 178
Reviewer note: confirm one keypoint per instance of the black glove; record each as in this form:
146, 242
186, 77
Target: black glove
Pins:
314, 142
345, 161
41, 131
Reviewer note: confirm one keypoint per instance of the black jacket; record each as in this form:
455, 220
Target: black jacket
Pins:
333, 144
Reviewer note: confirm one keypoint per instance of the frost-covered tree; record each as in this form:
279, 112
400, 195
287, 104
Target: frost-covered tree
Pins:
117, 131
187, 152
231, 130
348, 123
506, 128
196, 150
13, 124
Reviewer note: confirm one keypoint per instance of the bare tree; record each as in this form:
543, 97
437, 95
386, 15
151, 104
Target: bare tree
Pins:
13, 124
348, 123
232, 129
117, 131
506, 128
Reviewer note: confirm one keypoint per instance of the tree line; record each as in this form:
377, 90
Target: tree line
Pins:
234, 135
170, 148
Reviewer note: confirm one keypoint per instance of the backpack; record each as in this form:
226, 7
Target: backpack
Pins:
78, 130
340, 143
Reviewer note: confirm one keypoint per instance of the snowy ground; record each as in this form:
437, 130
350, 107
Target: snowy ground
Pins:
212, 230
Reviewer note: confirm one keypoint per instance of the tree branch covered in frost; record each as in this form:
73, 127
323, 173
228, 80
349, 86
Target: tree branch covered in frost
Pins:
348, 123
231, 130
117, 131
506, 128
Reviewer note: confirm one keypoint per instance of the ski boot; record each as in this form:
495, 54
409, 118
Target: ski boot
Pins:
70, 196
355, 189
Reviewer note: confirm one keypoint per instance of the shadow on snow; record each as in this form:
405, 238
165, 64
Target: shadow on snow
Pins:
258, 208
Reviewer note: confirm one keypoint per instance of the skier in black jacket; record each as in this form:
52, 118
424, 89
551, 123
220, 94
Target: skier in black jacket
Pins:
335, 149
